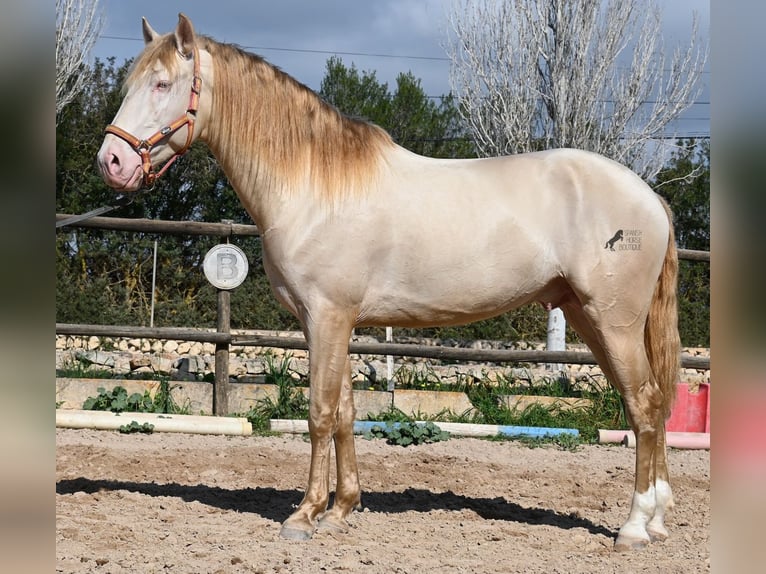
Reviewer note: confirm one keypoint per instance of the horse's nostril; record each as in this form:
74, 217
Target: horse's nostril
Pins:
113, 164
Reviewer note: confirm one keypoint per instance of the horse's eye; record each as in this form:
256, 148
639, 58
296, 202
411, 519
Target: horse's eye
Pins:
163, 85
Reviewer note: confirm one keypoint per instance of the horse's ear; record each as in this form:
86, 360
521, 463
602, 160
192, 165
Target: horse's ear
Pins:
149, 34
184, 36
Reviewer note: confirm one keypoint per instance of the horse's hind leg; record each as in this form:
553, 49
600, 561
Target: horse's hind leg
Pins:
664, 494
620, 353
347, 491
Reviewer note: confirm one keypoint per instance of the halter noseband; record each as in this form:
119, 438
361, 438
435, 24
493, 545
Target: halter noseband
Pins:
144, 147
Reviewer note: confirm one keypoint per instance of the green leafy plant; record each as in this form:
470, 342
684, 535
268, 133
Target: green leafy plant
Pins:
135, 427
407, 433
391, 415
117, 400
489, 406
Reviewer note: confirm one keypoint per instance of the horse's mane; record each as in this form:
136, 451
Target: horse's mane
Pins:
270, 129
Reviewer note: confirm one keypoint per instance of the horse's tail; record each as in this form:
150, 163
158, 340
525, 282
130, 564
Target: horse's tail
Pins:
661, 338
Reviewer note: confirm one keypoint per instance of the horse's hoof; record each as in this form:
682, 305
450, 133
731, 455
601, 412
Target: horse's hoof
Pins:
333, 524
626, 544
657, 534
296, 531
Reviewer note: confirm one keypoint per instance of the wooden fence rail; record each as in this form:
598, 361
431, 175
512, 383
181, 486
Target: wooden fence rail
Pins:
395, 349
223, 338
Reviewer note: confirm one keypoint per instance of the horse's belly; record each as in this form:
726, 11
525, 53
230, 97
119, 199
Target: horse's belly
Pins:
427, 294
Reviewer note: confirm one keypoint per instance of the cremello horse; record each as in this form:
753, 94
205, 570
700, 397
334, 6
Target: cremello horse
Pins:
358, 231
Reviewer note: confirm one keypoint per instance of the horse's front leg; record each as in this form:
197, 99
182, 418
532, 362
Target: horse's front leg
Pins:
328, 356
348, 490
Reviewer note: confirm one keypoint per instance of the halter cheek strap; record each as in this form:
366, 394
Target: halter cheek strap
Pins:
144, 147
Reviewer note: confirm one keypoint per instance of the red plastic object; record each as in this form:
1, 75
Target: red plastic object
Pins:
691, 410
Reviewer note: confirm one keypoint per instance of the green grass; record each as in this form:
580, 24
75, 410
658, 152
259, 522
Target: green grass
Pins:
604, 411
393, 415
79, 368
546, 386
290, 402
487, 398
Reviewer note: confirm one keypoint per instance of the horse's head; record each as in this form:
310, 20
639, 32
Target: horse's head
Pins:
162, 112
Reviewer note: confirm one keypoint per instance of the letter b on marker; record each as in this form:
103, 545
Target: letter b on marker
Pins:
225, 266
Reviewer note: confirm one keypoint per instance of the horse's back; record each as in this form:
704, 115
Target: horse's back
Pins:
470, 238
564, 201
451, 241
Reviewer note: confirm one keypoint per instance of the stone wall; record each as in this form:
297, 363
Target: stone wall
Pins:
194, 361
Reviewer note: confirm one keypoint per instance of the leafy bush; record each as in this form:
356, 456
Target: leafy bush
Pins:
134, 427
117, 400
407, 433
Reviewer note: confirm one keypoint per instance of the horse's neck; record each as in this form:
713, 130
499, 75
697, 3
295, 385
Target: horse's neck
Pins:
250, 174
255, 189
283, 149
248, 148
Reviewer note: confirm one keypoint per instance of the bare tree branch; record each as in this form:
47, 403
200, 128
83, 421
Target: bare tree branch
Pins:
78, 24
539, 74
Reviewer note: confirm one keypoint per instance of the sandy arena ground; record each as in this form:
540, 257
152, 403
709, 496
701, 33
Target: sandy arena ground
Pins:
177, 503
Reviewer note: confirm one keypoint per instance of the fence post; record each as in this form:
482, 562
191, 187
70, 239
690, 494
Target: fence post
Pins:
556, 336
221, 384
389, 361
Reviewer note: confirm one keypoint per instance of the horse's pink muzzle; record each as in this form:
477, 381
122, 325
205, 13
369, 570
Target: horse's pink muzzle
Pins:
119, 165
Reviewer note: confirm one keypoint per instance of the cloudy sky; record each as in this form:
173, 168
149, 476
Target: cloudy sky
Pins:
387, 36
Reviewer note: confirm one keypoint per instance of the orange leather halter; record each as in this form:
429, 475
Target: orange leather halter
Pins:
144, 147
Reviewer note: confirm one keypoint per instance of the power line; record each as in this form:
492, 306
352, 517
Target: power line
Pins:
312, 51
374, 55
331, 52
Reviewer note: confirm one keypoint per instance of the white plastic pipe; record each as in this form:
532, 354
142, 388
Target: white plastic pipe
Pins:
477, 430
104, 420
457, 429
695, 440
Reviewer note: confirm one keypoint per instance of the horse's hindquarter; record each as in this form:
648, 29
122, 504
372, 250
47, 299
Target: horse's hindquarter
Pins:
451, 241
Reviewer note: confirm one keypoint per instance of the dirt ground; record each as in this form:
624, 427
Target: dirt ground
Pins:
176, 503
